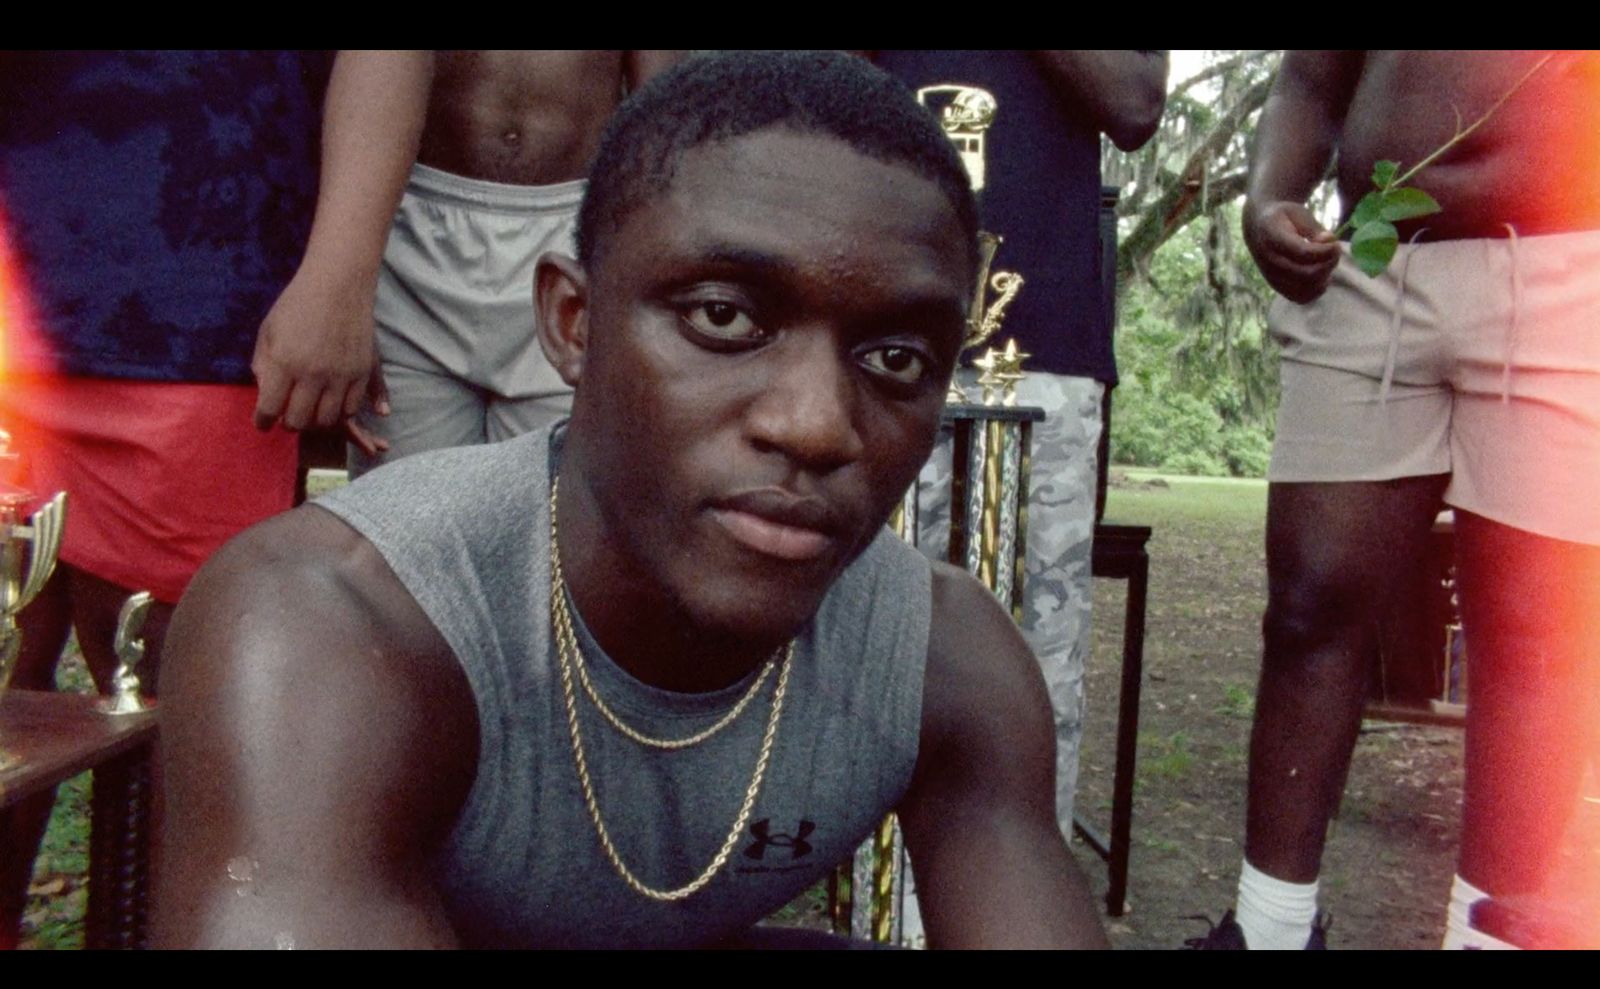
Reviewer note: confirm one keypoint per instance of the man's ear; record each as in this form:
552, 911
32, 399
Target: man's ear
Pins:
561, 301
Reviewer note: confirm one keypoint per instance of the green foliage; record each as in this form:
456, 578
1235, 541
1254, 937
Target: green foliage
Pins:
1168, 757
1375, 240
1238, 701
53, 916
1199, 373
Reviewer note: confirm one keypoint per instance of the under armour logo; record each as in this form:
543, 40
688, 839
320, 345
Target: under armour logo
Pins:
762, 833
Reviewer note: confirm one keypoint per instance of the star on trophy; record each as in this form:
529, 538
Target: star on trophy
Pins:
28, 548
984, 317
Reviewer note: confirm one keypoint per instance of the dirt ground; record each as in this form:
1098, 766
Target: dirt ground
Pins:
1391, 855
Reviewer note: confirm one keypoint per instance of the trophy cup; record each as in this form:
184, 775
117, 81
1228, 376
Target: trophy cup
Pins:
28, 548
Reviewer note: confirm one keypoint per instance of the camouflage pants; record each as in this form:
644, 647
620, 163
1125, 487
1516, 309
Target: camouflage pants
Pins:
1060, 536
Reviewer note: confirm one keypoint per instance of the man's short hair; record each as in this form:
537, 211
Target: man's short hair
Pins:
722, 95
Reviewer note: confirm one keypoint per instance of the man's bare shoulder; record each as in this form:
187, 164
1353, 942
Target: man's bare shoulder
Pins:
303, 599
316, 726
978, 663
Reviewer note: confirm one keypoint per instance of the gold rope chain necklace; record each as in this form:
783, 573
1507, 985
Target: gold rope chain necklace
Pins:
567, 642
568, 655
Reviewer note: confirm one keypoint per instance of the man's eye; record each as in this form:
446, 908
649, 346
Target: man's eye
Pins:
901, 364
721, 321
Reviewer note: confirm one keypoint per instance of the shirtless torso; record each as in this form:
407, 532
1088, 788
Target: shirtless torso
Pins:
1532, 164
527, 117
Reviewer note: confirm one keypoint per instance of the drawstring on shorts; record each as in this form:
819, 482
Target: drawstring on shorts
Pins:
1396, 319
1516, 311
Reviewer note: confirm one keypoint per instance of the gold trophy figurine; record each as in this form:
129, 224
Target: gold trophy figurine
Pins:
984, 317
125, 697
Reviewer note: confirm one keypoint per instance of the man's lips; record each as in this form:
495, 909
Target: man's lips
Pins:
776, 523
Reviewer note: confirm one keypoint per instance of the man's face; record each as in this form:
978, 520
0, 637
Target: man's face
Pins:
769, 345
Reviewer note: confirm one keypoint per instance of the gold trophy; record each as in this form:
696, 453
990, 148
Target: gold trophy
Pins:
28, 548
983, 319
988, 505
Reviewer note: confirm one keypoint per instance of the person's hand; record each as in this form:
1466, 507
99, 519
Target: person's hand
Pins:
314, 357
377, 395
1296, 254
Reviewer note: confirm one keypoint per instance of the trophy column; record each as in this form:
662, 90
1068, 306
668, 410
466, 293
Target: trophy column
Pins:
991, 443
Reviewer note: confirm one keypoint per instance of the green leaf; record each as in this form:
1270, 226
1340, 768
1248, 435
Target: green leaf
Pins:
1368, 209
1406, 204
1373, 246
1383, 173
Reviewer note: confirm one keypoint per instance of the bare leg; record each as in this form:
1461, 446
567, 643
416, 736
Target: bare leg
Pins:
1531, 609
45, 624
1334, 555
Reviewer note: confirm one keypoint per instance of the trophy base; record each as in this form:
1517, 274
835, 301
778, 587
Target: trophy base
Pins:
123, 704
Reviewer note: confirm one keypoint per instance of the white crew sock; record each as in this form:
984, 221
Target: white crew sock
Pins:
1274, 915
1459, 934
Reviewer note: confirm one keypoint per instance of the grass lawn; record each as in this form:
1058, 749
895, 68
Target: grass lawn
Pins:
1392, 851
53, 916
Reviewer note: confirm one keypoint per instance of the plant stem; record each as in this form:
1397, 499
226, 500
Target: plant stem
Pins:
1462, 135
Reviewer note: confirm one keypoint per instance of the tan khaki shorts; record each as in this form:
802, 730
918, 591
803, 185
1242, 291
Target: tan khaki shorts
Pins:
1491, 374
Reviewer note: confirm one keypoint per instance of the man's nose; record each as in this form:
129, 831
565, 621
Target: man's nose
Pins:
808, 409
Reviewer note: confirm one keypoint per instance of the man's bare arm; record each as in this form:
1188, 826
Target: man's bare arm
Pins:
1295, 140
318, 740
992, 867
1121, 92
314, 359
642, 66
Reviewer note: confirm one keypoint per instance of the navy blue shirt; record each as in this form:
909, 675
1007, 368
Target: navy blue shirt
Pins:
1041, 192
155, 204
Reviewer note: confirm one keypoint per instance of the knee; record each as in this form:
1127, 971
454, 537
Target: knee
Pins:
1314, 611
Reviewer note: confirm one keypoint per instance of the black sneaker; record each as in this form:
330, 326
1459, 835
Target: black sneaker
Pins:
1227, 935
1318, 941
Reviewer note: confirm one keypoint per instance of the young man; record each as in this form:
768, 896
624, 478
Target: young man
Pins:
1470, 369
639, 680
505, 138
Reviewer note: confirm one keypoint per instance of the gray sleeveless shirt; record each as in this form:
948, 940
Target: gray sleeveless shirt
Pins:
467, 533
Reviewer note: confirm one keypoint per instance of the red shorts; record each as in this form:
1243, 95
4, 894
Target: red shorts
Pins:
158, 476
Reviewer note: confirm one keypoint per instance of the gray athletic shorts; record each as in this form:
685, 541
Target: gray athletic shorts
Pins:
1476, 358
454, 312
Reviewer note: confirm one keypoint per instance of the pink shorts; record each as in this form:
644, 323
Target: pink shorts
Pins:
158, 476
1490, 373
